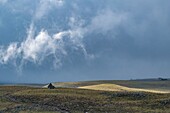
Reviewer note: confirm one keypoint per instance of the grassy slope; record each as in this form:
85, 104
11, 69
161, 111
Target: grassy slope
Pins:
36, 100
17, 99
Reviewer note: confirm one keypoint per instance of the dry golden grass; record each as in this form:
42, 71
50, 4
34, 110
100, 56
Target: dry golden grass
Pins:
114, 87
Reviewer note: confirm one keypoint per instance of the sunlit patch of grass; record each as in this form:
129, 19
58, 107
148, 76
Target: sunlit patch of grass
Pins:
114, 87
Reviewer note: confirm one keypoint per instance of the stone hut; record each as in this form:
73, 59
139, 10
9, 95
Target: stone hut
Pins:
51, 86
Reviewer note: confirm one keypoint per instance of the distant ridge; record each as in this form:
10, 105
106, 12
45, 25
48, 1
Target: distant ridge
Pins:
151, 79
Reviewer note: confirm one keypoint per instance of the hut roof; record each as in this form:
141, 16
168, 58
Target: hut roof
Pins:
50, 86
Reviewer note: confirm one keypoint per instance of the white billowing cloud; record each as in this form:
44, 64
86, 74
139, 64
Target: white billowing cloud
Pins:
45, 6
36, 48
75, 37
107, 20
59, 35
9, 54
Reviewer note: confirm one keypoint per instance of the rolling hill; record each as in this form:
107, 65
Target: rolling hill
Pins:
150, 85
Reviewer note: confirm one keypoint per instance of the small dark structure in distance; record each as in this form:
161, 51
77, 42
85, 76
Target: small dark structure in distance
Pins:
50, 86
162, 79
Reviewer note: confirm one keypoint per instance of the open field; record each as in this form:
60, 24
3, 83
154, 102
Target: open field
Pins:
23, 99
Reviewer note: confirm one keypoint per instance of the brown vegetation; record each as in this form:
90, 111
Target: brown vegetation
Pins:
26, 99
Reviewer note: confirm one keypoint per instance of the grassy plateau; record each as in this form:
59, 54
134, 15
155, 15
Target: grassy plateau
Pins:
88, 97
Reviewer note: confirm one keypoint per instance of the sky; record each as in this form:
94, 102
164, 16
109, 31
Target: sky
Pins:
76, 40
